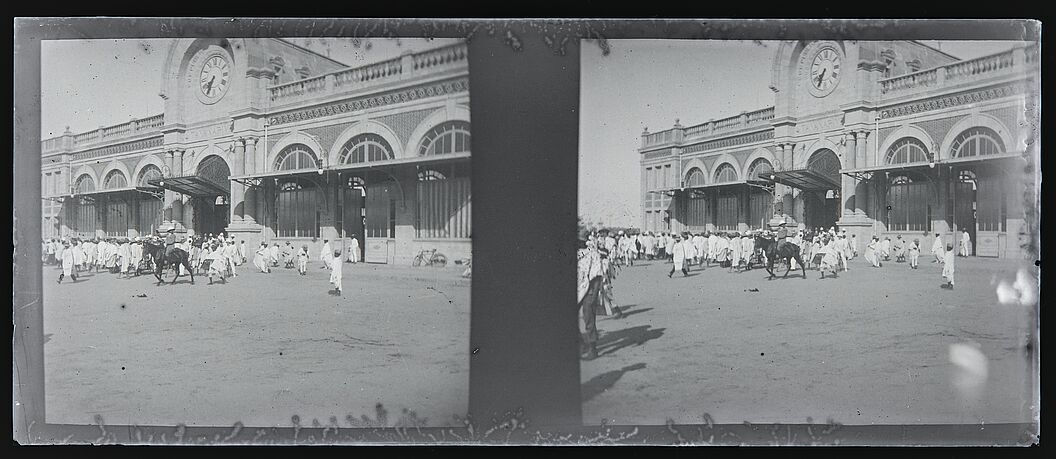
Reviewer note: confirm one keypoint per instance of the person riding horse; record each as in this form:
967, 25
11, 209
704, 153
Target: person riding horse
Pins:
782, 235
168, 255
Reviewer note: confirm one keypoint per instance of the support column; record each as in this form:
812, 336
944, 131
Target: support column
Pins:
249, 214
237, 198
861, 201
847, 189
177, 205
170, 196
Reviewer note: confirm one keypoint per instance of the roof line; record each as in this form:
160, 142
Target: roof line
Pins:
290, 43
944, 53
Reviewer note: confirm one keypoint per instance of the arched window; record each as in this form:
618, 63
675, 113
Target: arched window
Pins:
977, 141
907, 150
295, 157
365, 148
297, 209
760, 169
84, 184
355, 183
725, 173
115, 179
695, 177
430, 174
149, 172
908, 204
449, 137
443, 197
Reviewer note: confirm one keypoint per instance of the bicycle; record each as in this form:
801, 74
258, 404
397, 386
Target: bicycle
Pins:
430, 258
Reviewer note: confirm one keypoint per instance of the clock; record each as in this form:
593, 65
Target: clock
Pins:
825, 71
213, 78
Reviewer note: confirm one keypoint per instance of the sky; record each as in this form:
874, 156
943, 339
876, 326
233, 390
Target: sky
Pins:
651, 83
86, 84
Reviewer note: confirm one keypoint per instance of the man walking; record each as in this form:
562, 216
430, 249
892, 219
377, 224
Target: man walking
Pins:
588, 279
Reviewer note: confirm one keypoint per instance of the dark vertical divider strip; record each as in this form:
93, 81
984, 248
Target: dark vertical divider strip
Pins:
27, 305
523, 326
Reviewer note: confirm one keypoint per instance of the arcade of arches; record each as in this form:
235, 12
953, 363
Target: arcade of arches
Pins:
910, 193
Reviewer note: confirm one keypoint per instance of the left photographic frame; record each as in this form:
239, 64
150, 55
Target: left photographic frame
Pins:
261, 231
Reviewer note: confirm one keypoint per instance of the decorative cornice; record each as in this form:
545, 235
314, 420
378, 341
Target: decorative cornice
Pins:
730, 142
657, 154
120, 148
375, 101
952, 100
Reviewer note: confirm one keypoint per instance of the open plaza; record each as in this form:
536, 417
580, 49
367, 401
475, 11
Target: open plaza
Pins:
258, 349
881, 345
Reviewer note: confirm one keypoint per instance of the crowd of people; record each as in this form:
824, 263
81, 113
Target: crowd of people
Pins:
218, 256
602, 253
122, 256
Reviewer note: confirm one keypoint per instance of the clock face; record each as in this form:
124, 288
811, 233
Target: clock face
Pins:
214, 79
825, 70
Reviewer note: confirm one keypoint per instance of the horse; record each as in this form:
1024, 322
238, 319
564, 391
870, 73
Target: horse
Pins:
788, 252
177, 258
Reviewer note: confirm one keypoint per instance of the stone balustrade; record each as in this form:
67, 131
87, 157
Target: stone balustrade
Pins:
733, 123
104, 134
989, 66
350, 79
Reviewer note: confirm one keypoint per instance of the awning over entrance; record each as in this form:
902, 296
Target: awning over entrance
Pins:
191, 185
866, 173
805, 179
668, 191
387, 164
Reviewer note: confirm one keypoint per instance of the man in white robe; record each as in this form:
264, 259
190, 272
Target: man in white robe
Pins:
353, 250
949, 257
965, 244
262, 258
326, 254
678, 252
937, 249
66, 258
273, 254
872, 252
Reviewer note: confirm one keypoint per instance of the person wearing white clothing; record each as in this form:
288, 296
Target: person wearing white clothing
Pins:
326, 254
335, 273
937, 249
966, 244
262, 257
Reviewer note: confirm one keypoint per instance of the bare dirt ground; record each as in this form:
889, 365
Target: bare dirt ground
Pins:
259, 349
874, 346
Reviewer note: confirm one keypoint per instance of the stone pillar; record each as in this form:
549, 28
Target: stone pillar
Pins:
249, 214
170, 196
237, 198
177, 205
847, 190
860, 159
861, 201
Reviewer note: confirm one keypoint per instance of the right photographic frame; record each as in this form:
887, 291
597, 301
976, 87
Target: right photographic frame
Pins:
808, 231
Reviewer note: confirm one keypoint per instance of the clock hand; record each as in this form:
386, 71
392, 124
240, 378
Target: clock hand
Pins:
209, 89
821, 76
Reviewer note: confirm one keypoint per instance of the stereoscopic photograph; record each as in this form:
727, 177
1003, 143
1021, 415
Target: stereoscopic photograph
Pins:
258, 231
815, 231
249, 229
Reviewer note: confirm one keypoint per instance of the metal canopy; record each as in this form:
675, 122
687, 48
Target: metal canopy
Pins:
805, 179
191, 185
667, 192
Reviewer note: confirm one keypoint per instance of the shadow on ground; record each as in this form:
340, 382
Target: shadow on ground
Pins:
604, 381
613, 341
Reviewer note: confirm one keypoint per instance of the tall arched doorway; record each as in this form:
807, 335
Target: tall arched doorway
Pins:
822, 204
212, 210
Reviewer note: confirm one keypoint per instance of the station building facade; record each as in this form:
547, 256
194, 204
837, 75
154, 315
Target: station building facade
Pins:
268, 141
880, 138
